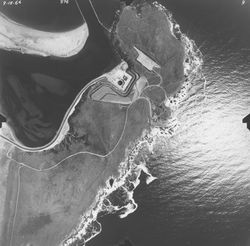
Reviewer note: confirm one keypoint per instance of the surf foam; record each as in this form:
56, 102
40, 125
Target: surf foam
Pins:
130, 170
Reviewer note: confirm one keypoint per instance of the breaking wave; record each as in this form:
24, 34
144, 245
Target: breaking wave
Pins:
117, 195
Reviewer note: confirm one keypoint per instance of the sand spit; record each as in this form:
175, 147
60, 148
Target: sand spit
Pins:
26, 40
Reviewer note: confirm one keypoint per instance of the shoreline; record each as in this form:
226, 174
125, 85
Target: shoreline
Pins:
127, 169
27, 40
89, 226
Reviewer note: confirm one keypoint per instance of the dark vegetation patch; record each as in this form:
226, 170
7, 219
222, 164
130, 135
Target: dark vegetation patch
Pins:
155, 94
73, 184
148, 28
34, 224
94, 127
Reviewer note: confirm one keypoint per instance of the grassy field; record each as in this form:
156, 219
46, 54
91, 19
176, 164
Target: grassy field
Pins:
95, 127
10, 199
148, 29
58, 186
51, 202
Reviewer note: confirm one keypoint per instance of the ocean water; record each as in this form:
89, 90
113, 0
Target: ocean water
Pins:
45, 110
44, 15
202, 194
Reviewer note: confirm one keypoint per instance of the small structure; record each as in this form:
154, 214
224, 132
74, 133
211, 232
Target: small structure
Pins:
146, 61
2, 119
120, 78
247, 121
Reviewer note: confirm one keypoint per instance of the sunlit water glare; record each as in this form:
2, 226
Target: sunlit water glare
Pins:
204, 169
